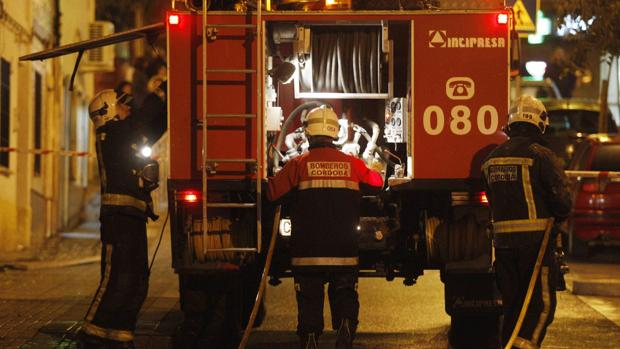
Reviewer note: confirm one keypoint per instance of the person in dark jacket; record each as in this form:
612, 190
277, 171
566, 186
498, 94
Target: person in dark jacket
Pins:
525, 186
127, 178
152, 116
326, 187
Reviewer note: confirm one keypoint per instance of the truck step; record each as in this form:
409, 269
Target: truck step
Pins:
232, 249
248, 116
230, 205
231, 160
233, 71
248, 26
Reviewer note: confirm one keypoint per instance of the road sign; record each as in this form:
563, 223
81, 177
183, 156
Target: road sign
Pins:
460, 93
525, 14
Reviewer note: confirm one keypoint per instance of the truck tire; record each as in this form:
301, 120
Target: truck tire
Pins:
474, 331
215, 309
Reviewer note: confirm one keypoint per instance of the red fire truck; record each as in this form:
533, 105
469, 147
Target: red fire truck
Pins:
420, 93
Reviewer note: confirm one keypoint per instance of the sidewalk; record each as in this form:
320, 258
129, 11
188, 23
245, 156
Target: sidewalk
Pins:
598, 285
42, 302
78, 246
594, 279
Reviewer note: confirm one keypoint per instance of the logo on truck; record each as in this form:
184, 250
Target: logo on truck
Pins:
441, 39
460, 88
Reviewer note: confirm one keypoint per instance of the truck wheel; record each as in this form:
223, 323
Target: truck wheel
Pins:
474, 331
212, 309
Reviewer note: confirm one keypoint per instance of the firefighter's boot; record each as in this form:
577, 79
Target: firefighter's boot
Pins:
87, 341
120, 345
309, 341
346, 332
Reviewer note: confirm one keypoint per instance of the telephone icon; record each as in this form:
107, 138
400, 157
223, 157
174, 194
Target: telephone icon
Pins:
460, 88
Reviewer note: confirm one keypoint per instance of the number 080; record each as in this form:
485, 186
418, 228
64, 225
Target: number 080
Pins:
460, 123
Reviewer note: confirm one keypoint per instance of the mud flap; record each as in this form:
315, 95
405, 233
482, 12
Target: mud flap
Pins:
474, 304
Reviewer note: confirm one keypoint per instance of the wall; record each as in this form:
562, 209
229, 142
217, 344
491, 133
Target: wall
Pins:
31, 205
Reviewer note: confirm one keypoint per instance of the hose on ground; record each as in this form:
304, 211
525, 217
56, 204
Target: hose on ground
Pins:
263, 280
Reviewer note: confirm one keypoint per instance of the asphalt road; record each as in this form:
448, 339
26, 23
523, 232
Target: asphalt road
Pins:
395, 316
39, 308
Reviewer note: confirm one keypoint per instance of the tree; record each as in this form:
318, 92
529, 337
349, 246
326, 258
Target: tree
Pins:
123, 12
130, 14
599, 30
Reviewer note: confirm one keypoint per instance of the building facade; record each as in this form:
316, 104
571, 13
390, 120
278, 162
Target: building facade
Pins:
44, 185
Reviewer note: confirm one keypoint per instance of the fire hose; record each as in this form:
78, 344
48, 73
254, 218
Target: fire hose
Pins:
530, 289
263, 280
346, 61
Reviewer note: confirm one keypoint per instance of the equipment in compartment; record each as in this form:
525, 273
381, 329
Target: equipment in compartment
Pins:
335, 61
396, 121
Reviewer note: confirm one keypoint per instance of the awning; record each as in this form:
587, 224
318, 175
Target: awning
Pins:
148, 32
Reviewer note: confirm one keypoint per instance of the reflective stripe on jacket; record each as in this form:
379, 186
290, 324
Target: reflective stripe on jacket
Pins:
525, 184
326, 186
119, 164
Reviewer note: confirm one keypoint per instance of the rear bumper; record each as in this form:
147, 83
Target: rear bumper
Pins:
598, 224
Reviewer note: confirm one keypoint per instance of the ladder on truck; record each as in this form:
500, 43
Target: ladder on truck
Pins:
256, 70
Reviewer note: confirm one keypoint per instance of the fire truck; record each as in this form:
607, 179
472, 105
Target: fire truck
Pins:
421, 91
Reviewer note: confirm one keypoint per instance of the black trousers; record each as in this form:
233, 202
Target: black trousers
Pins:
124, 278
342, 294
514, 267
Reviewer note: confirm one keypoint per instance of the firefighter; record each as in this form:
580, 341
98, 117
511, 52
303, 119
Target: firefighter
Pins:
526, 186
127, 178
324, 187
152, 117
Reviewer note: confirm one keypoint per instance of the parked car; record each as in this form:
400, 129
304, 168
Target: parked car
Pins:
570, 121
595, 169
545, 88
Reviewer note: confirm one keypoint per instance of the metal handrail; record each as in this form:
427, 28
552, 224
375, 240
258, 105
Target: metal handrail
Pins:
260, 64
259, 127
204, 120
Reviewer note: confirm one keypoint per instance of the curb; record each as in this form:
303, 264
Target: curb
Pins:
599, 287
40, 265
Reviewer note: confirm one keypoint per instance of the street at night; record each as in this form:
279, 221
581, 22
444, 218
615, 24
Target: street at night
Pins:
430, 173
43, 309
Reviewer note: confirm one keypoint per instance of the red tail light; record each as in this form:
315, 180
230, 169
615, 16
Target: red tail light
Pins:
173, 19
590, 187
483, 198
502, 18
189, 197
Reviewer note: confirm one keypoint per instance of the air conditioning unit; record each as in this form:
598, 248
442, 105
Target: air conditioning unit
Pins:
100, 59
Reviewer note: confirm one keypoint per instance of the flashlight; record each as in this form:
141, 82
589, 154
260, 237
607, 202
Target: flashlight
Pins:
146, 151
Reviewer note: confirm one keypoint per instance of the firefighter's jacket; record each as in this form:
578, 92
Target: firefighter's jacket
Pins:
326, 185
525, 185
118, 153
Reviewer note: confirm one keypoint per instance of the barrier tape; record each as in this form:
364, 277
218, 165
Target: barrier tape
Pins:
68, 153
614, 176
591, 174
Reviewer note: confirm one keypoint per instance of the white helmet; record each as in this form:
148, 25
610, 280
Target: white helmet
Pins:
322, 121
103, 106
531, 110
